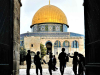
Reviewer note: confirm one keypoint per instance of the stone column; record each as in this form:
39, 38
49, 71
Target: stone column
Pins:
52, 48
70, 47
16, 36
61, 45
81, 45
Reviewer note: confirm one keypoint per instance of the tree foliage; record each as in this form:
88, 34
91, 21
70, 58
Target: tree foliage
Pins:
22, 54
43, 50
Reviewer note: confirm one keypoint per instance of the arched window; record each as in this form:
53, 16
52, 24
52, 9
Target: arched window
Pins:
57, 44
66, 44
31, 45
48, 45
75, 44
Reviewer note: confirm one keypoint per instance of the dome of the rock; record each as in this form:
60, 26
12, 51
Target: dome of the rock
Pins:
49, 14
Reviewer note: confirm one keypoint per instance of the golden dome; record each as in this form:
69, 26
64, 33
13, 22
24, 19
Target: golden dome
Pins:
49, 14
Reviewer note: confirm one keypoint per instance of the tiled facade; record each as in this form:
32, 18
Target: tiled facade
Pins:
49, 28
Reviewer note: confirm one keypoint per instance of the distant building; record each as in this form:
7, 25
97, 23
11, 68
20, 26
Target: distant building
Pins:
50, 27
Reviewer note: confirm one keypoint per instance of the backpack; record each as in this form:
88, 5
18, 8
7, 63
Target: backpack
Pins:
67, 59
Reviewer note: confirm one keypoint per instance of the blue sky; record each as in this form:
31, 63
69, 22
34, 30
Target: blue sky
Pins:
73, 10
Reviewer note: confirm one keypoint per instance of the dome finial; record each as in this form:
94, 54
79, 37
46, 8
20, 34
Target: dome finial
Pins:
49, 2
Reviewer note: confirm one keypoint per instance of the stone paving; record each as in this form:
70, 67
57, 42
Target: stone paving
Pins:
68, 71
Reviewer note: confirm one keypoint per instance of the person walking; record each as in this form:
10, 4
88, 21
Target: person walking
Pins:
28, 62
81, 62
50, 64
62, 60
54, 63
75, 61
37, 62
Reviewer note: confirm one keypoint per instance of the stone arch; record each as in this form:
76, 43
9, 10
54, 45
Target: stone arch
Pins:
47, 42
48, 45
57, 43
66, 45
75, 44
57, 47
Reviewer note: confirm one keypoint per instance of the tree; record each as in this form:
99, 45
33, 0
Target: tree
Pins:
43, 50
22, 54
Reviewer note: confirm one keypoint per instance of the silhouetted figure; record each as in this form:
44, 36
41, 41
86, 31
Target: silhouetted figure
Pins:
62, 60
50, 54
54, 63
81, 62
37, 62
28, 62
50, 64
75, 61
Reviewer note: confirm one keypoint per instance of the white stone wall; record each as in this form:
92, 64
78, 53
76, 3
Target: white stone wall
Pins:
32, 40
37, 40
69, 49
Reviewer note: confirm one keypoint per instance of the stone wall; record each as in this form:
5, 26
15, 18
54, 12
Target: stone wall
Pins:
53, 39
16, 36
9, 36
29, 41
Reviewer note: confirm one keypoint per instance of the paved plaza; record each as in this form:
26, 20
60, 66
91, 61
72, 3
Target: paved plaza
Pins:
68, 71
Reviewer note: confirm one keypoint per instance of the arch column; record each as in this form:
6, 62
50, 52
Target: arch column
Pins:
81, 45
53, 48
61, 44
60, 47
70, 46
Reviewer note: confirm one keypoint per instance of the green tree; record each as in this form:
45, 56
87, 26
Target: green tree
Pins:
43, 50
22, 54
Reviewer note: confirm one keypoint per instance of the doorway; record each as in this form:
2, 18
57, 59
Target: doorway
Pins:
49, 47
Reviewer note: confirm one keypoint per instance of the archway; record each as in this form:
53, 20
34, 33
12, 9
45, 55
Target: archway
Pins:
57, 47
75, 45
49, 47
66, 46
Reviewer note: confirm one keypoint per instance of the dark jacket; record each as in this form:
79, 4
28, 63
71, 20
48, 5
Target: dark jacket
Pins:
37, 60
67, 59
50, 63
54, 60
28, 59
62, 57
75, 60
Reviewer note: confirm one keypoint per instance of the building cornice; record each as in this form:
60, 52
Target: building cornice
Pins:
61, 37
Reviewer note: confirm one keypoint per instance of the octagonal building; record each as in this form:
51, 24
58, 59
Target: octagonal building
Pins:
50, 27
